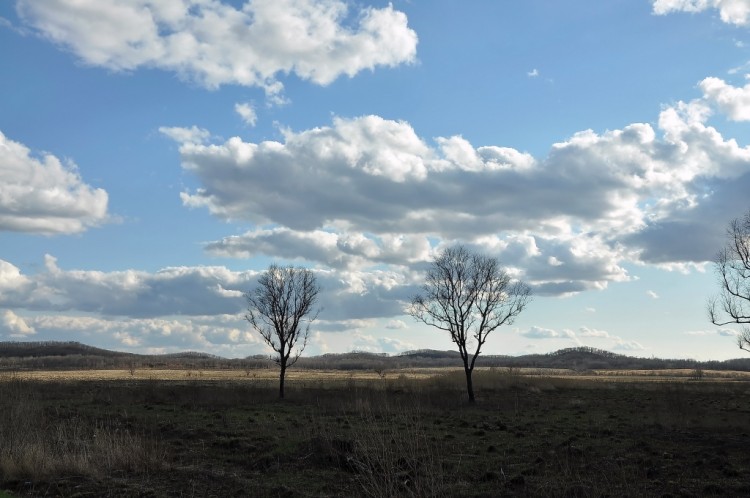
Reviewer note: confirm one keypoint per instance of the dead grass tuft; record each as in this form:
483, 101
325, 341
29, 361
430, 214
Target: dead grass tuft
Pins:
37, 445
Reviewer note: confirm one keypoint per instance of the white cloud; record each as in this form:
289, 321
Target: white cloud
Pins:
396, 325
126, 339
193, 135
318, 344
45, 195
392, 181
246, 112
597, 200
732, 101
214, 43
720, 332
553, 261
14, 325
343, 325
589, 332
355, 294
11, 279
623, 345
227, 335
533, 73
731, 11
191, 291
541, 333
372, 344
337, 250
170, 291
727, 332
652, 294
602, 337
607, 340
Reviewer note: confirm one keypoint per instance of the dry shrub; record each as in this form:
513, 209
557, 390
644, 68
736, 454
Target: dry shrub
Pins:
393, 456
389, 451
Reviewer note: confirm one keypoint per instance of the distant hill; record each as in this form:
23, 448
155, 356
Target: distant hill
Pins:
74, 355
52, 348
579, 358
431, 354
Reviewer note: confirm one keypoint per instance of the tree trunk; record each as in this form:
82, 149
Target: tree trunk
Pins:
469, 384
281, 380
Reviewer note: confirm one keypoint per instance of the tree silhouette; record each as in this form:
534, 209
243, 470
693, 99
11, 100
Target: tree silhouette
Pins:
732, 305
468, 295
280, 308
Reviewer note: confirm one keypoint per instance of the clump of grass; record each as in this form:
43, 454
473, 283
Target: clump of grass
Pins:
39, 446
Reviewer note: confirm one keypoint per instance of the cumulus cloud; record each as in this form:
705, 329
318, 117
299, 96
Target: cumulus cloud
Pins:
731, 11
42, 194
247, 112
12, 280
392, 181
585, 334
343, 325
723, 332
590, 332
686, 230
543, 333
190, 291
213, 42
340, 195
14, 325
171, 291
610, 341
364, 294
734, 102
226, 335
652, 294
336, 250
396, 325
193, 134
372, 344
623, 345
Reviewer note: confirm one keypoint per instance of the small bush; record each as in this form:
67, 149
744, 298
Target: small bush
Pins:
388, 450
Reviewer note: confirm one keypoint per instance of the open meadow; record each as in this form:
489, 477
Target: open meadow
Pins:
223, 433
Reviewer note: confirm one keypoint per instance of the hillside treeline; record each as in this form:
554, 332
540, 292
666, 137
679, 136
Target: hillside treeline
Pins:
52, 355
580, 359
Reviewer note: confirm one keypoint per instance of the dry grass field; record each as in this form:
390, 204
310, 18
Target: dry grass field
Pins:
252, 376
316, 376
409, 432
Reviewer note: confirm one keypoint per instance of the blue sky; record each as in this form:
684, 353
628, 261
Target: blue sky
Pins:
156, 156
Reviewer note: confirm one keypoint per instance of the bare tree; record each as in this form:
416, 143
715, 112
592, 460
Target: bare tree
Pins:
468, 295
281, 309
732, 305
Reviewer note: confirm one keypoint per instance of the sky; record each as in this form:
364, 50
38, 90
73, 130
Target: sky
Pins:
157, 156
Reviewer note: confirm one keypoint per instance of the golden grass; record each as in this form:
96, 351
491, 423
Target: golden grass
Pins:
364, 375
210, 374
673, 374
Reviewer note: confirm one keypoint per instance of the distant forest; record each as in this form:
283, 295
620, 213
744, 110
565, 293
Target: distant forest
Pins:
73, 355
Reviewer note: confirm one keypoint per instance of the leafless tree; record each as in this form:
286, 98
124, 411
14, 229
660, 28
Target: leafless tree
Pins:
468, 295
732, 305
281, 309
